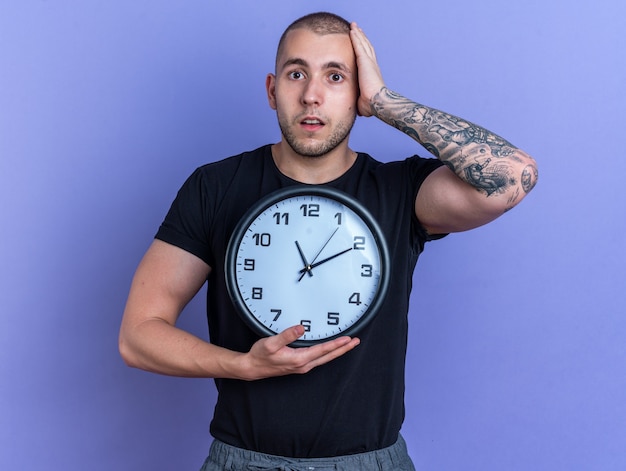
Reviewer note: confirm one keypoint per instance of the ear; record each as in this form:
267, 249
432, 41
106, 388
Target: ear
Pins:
270, 87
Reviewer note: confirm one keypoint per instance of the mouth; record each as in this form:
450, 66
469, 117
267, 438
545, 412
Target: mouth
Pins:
311, 123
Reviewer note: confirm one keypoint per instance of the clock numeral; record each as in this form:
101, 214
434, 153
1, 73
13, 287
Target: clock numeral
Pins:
257, 293
278, 312
366, 271
333, 318
355, 298
310, 210
306, 324
263, 240
248, 264
338, 216
359, 243
282, 216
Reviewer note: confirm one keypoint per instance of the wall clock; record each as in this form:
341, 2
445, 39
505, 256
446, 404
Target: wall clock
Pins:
309, 255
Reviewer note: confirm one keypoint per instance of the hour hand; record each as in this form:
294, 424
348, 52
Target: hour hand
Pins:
327, 259
307, 265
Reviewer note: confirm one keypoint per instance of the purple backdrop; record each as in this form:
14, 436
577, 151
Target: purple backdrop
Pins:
518, 329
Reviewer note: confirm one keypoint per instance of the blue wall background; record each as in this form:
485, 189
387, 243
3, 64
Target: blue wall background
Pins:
518, 340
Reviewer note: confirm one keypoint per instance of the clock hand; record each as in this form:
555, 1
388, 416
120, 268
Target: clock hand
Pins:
307, 267
317, 264
325, 244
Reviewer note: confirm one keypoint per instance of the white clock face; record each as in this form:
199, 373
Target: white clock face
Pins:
311, 260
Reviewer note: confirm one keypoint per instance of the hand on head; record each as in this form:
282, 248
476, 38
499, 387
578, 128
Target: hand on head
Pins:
370, 77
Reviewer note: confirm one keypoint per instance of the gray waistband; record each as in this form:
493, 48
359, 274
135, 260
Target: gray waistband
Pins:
227, 457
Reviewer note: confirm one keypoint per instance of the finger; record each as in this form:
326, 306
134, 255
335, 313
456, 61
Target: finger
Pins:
361, 41
284, 338
356, 35
333, 350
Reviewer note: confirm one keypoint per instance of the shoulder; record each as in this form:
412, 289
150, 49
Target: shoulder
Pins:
412, 170
213, 178
234, 163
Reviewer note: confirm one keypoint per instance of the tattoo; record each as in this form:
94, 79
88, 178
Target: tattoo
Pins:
529, 178
411, 132
491, 180
478, 156
512, 201
432, 149
463, 133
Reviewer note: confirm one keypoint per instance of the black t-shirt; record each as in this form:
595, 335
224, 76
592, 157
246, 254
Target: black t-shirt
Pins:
353, 404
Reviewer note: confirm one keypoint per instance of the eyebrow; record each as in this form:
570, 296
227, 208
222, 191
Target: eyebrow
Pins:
328, 65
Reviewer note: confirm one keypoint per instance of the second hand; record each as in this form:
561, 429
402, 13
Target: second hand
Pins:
308, 268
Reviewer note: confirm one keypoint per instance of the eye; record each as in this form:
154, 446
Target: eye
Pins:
336, 77
296, 75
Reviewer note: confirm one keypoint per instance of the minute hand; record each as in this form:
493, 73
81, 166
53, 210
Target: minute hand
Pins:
317, 264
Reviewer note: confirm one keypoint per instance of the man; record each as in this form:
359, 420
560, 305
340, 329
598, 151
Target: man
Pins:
331, 404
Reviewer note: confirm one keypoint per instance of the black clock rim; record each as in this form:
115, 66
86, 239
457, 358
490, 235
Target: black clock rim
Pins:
289, 192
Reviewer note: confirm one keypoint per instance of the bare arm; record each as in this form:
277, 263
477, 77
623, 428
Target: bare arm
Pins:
166, 280
484, 175
493, 175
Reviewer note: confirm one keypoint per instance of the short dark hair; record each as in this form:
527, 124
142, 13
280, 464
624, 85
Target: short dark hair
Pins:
321, 23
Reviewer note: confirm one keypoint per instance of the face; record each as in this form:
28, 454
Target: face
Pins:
314, 91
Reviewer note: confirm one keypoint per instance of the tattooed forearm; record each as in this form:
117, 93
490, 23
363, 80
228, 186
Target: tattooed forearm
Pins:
483, 159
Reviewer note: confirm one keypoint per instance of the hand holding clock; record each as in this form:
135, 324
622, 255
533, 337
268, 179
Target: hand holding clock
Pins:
272, 356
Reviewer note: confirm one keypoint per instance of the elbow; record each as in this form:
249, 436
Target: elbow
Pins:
527, 180
530, 175
127, 352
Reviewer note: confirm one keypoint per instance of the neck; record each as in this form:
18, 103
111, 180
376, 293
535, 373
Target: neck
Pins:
312, 170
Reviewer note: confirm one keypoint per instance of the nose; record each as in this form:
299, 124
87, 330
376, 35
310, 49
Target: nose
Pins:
312, 92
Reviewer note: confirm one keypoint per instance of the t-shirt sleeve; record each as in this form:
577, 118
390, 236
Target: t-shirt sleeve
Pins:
187, 224
419, 168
